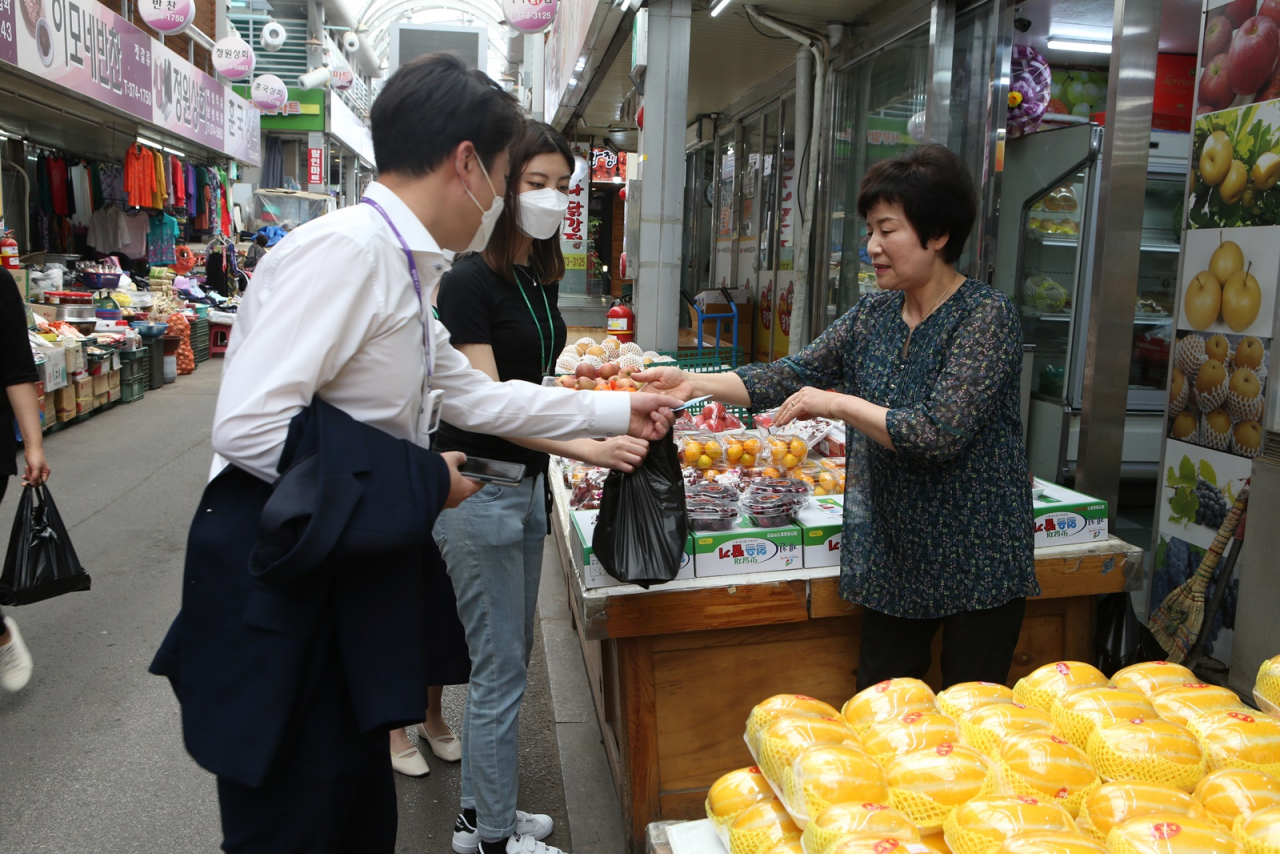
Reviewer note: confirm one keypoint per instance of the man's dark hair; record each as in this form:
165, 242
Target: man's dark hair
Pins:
935, 191
433, 104
261, 240
545, 255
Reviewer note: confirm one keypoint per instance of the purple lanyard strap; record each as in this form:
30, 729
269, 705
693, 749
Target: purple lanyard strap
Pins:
413, 274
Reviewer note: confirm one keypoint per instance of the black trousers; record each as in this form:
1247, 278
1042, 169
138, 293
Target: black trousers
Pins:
332, 790
977, 646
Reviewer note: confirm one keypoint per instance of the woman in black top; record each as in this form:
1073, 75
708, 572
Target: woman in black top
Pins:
18, 376
500, 307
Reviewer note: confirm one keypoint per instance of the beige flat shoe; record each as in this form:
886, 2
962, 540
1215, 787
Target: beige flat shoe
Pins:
410, 763
447, 747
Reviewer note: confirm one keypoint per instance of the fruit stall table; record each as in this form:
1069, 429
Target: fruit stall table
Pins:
675, 670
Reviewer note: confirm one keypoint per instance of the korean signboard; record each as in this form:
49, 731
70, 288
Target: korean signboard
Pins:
315, 166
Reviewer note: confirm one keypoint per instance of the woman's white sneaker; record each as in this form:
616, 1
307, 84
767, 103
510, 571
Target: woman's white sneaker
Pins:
15, 660
519, 844
466, 839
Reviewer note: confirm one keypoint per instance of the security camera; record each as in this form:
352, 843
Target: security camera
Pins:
316, 78
350, 42
273, 36
1021, 24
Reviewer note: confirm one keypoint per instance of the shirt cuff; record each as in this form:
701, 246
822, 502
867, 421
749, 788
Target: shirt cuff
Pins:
613, 414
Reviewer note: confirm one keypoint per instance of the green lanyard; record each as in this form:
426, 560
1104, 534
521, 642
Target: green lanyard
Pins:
542, 344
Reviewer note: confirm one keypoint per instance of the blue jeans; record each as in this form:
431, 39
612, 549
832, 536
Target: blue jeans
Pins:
492, 544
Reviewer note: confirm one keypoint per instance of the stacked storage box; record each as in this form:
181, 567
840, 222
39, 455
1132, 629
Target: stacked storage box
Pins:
134, 370
200, 339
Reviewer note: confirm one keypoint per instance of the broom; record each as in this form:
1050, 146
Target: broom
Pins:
1180, 618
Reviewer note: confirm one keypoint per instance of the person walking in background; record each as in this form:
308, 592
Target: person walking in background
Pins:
501, 309
20, 401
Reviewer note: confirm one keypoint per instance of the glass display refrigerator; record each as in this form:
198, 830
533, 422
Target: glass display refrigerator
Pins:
1048, 202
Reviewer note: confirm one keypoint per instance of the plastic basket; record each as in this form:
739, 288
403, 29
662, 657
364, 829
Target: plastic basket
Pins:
132, 390
155, 359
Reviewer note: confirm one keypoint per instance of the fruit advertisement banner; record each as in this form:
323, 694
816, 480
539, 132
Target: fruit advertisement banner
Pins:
1226, 310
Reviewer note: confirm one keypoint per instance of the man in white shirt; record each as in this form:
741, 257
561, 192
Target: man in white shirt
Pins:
341, 310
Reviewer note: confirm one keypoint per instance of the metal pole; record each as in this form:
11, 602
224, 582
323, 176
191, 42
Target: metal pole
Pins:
942, 39
1118, 236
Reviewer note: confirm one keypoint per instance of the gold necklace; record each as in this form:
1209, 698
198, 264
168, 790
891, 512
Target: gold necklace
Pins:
945, 291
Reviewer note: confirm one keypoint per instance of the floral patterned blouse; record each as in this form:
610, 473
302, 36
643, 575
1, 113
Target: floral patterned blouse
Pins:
942, 524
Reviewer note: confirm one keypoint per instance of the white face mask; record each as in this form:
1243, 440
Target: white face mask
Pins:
488, 218
541, 212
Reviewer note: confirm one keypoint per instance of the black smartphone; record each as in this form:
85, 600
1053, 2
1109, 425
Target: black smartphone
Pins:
492, 471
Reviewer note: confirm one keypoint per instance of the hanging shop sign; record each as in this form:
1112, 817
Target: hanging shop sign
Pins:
608, 166
233, 58
167, 17
303, 110
269, 92
341, 77
315, 166
529, 16
573, 232
347, 128
91, 51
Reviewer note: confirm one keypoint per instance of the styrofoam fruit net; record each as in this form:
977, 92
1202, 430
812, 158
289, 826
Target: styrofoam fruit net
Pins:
832, 774
1211, 438
1148, 677
631, 349
1115, 803
610, 341
789, 846
983, 824
733, 793
1242, 408
566, 364
1169, 833
936, 843
910, 732
967, 696
985, 727
1214, 396
585, 342
1079, 713
1178, 402
1152, 751
886, 700
1045, 684
1050, 843
761, 827
782, 705
1266, 687
630, 360
1232, 792
928, 784
1182, 703
1046, 767
1239, 739
870, 843
1258, 833
841, 820
1189, 355
787, 737
1249, 451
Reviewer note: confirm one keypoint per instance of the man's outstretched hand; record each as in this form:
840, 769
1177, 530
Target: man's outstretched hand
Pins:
651, 415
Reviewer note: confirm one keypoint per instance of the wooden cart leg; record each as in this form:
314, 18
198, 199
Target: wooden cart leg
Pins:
639, 736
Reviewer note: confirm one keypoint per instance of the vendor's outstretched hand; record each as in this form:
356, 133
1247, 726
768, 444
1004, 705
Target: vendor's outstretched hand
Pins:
651, 415
672, 381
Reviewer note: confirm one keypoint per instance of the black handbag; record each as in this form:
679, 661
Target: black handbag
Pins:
41, 562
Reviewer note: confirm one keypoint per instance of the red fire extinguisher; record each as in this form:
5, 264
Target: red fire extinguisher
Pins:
621, 320
9, 252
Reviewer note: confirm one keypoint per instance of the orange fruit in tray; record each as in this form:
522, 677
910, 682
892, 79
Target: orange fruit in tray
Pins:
789, 461
747, 460
704, 462
712, 449
751, 446
772, 472
734, 453
800, 449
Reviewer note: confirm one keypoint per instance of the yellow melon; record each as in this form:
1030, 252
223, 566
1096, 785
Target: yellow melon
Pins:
1046, 767
886, 700
936, 843
1259, 832
983, 824
1170, 833
912, 731
792, 846
985, 727
1077, 714
832, 774
1152, 751
781, 705
869, 843
1040, 687
1115, 803
761, 827
734, 792
1228, 794
967, 696
1050, 843
1148, 677
787, 737
1181, 703
928, 784
1266, 688
1233, 739
841, 820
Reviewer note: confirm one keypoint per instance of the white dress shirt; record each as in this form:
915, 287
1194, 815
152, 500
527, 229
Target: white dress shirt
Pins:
331, 312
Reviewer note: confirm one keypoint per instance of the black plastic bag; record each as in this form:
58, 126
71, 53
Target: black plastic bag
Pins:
642, 527
41, 562
1120, 639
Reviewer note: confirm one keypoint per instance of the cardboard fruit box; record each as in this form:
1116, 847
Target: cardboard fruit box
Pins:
1063, 516
593, 573
746, 549
821, 528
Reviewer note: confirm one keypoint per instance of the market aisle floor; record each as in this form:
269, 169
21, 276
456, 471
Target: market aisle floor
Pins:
91, 755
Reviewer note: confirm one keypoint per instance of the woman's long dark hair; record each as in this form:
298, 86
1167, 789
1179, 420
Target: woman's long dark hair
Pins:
545, 256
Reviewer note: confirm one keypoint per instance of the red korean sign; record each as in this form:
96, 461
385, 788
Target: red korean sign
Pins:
315, 166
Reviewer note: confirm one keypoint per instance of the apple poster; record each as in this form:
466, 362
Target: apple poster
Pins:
1217, 393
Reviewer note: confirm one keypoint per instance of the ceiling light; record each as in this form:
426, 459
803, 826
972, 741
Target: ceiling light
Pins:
580, 64
719, 7
148, 142
1084, 47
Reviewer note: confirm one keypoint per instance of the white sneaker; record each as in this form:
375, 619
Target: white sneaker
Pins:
15, 661
534, 826
520, 844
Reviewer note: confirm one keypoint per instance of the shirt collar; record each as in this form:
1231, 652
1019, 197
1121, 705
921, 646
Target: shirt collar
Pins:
415, 234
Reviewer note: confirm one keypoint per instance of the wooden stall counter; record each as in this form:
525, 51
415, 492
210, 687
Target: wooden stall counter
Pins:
675, 670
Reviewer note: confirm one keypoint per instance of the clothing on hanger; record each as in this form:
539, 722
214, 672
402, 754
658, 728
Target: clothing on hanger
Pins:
158, 190
139, 176
162, 240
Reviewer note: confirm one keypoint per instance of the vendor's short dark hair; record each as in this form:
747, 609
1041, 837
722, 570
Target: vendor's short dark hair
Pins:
432, 105
935, 190
261, 240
